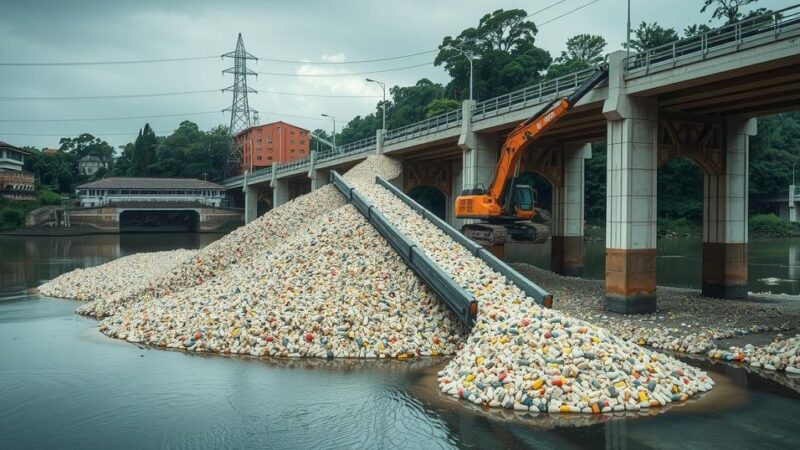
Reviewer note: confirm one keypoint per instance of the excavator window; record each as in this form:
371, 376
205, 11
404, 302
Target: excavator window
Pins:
524, 197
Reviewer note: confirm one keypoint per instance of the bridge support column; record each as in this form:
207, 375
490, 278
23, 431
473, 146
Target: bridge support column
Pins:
280, 192
479, 152
319, 178
566, 253
250, 204
379, 142
630, 200
725, 217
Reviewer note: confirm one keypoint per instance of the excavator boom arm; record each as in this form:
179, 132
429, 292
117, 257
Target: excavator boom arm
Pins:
526, 132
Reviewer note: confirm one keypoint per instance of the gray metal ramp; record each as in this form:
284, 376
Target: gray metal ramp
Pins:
462, 303
530, 288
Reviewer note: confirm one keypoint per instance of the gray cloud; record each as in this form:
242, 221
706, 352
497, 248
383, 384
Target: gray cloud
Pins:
308, 30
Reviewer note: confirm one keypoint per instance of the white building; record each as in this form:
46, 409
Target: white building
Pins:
90, 164
127, 190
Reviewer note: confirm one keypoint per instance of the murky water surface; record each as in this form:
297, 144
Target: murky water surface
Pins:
65, 385
773, 264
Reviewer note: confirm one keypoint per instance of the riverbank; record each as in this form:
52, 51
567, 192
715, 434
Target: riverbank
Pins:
686, 322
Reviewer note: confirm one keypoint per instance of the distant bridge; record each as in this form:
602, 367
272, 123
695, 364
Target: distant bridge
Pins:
693, 98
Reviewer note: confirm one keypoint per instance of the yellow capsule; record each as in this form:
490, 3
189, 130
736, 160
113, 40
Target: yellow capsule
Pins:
642, 396
470, 377
566, 350
236, 331
504, 340
674, 389
619, 384
564, 408
479, 360
537, 383
595, 339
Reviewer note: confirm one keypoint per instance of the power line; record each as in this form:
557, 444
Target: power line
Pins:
568, 12
87, 119
350, 74
363, 61
299, 94
115, 96
103, 63
3, 133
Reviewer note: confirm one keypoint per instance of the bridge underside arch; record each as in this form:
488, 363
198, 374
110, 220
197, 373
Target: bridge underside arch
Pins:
432, 198
142, 221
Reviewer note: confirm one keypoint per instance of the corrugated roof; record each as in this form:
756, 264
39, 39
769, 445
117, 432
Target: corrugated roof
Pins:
149, 183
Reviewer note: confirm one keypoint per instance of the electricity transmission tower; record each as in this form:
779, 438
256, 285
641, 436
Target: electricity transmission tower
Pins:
240, 109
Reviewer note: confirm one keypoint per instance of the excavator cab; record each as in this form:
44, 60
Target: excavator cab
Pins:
524, 200
504, 210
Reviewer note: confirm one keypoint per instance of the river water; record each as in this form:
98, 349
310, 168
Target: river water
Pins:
65, 385
774, 264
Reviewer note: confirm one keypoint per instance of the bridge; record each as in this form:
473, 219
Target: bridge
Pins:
695, 98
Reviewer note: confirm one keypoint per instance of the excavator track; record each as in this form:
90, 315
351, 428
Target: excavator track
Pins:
486, 233
541, 232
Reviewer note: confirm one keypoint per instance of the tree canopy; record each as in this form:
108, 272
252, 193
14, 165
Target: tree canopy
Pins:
505, 56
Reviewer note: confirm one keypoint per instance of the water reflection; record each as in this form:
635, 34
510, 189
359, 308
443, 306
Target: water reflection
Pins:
773, 264
26, 261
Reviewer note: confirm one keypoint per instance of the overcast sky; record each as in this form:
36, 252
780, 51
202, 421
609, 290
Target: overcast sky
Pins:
306, 30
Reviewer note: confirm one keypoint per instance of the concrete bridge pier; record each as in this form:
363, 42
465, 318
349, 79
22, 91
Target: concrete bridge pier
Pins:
280, 192
630, 198
479, 157
250, 203
566, 252
319, 178
725, 216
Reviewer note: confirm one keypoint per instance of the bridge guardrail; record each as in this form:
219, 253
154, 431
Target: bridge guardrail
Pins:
719, 41
462, 303
441, 122
531, 95
365, 145
531, 289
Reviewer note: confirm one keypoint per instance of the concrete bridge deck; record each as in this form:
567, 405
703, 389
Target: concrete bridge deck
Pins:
694, 98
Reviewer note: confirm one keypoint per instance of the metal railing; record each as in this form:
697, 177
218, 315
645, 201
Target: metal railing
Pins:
358, 147
441, 122
726, 39
461, 302
531, 95
293, 164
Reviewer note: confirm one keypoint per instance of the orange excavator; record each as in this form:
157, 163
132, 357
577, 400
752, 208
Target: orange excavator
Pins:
505, 209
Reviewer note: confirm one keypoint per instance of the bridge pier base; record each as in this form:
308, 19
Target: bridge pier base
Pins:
631, 202
725, 217
250, 204
280, 192
319, 178
566, 252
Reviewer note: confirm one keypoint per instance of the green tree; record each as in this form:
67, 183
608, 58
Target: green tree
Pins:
694, 30
441, 106
651, 35
583, 51
505, 55
65, 182
144, 151
729, 10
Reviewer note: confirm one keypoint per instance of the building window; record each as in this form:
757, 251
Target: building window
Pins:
259, 158
258, 139
269, 140
269, 158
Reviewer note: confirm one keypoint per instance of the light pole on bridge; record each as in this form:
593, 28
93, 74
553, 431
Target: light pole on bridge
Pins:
470, 57
334, 129
383, 87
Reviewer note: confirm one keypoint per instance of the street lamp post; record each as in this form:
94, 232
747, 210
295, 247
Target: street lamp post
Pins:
383, 87
334, 129
470, 56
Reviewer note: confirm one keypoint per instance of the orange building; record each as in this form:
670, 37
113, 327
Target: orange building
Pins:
278, 142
